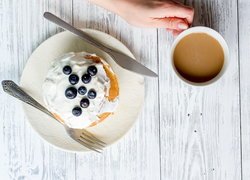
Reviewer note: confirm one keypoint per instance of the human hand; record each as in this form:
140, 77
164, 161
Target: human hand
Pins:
168, 14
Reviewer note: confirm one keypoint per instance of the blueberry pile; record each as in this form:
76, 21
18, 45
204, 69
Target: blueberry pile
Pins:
71, 92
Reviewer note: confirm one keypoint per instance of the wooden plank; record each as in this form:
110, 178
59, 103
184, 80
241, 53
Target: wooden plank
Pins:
136, 156
23, 155
200, 127
244, 39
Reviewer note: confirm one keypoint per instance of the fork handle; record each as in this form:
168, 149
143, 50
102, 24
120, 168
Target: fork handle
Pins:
14, 90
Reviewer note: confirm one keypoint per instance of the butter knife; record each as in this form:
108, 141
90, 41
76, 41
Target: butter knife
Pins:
121, 59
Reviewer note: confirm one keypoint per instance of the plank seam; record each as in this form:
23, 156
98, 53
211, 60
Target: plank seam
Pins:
159, 104
238, 27
72, 12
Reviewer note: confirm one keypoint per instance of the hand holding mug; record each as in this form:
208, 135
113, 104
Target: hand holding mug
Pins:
173, 16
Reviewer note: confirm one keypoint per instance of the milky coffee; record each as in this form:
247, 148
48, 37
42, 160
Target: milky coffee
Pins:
198, 57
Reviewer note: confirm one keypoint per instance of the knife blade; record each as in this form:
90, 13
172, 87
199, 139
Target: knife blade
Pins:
121, 59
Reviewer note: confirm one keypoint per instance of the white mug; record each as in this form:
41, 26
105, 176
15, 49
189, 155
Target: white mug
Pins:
215, 35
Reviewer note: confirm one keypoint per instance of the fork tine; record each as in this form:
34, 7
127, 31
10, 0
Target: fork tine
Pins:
91, 144
88, 134
87, 145
95, 143
93, 140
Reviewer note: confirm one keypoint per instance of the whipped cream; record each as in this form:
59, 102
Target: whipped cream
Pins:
57, 82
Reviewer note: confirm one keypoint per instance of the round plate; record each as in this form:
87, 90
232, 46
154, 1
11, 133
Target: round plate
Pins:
111, 129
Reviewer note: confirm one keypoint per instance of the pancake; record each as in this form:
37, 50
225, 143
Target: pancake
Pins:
81, 90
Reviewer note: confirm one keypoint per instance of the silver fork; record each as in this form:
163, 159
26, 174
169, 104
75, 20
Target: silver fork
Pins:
82, 136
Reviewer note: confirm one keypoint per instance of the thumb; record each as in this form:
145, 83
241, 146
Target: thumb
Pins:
171, 23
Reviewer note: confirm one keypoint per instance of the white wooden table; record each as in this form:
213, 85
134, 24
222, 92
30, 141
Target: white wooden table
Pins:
182, 132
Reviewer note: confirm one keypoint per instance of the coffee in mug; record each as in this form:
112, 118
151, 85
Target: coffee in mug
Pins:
199, 56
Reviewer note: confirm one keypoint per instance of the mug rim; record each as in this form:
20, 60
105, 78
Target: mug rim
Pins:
217, 36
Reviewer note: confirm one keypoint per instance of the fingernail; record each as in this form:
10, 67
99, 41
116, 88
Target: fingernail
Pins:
182, 26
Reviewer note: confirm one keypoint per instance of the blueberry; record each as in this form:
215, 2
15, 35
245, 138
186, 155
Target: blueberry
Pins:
76, 111
67, 70
92, 70
84, 103
73, 79
92, 94
71, 93
86, 78
82, 90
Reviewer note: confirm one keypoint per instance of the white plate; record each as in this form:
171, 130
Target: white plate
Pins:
110, 130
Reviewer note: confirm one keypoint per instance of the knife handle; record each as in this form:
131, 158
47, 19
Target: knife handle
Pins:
14, 90
51, 17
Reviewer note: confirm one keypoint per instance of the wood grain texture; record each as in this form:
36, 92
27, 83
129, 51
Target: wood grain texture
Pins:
200, 127
23, 155
136, 156
182, 133
244, 47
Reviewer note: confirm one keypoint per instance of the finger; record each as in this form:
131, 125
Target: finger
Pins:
170, 23
169, 30
176, 33
183, 12
176, 10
